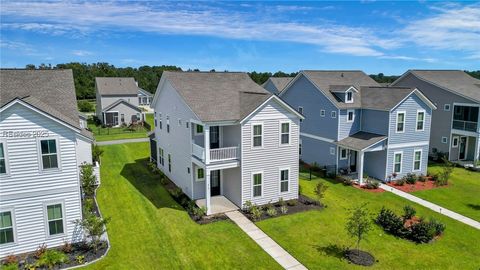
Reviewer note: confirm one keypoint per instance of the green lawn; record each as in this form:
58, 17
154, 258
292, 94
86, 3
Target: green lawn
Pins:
462, 195
149, 119
314, 237
149, 230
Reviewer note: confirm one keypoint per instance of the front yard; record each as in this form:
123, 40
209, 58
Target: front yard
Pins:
315, 237
149, 230
462, 195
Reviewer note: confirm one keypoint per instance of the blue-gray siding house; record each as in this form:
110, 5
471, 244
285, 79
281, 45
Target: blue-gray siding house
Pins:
357, 127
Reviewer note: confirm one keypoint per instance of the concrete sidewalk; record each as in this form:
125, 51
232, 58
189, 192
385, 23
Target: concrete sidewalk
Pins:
286, 260
432, 206
123, 141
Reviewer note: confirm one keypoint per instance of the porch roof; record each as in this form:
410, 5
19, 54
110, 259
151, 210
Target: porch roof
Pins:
115, 104
361, 140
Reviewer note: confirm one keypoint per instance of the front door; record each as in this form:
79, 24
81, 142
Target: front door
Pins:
353, 161
214, 137
215, 183
462, 148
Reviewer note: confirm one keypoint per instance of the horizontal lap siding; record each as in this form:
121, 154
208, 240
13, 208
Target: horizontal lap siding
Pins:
271, 157
26, 187
317, 151
375, 164
374, 121
407, 160
345, 128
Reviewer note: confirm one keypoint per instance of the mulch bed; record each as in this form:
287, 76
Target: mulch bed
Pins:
359, 257
429, 184
377, 190
302, 204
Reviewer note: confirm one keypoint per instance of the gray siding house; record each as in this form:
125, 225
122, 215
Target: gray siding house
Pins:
275, 85
118, 101
456, 123
224, 140
41, 147
355, 126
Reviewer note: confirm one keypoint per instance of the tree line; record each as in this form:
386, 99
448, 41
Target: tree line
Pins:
148, 76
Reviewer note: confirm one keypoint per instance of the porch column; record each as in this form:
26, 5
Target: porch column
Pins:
476, 150
104, 118
207, 191
360, 167
206, 132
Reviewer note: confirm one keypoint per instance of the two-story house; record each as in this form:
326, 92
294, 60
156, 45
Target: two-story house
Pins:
456, 123
354, 126
275, 85
41, 147
118, 100
222, 138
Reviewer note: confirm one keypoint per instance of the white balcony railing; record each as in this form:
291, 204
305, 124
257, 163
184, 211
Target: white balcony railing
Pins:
465, 125
198, 151
225, 153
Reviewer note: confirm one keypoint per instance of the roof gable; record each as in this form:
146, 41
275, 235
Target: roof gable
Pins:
116, 86
121, 101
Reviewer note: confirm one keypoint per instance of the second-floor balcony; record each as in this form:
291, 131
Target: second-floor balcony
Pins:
465, 125
216, 154
465, 118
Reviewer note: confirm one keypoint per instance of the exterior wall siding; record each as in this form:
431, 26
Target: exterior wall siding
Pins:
271, 157
26, 188
346, 128
317, 151
231, 185
407, 160
126, 110
108, 100
375, 164
84, 151
374, 121
269, 86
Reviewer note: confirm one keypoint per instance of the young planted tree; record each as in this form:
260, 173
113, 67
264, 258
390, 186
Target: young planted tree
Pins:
359, 224
95, 227
88, 179
320, 189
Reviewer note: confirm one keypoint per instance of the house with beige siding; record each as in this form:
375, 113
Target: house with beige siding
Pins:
225, 140
42, 145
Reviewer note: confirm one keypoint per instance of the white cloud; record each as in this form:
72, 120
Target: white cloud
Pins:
81, 53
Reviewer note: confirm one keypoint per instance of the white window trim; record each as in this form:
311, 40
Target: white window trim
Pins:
45, 217
39, 155
353, 116
280, 133
198, 179
346, 97
332, 150
252, 135
457, 139
421, 157
333, 114
444, 140
401, 161
280, 180
5, 153
346, 153
14, 226
198, 133
263, 184
445, 107
404, 121
322, 113
416, 121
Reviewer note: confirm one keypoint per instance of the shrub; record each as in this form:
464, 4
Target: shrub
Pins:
281, 202
30, 266
9, 266
283, 209
400, 182
434, 177
199, 212
438, 226
87, 179
80, 259
371, 184
320, 189
85, 106
411, 178
292, 202
441, 181
247, 206
447, 169
97, 152
94, 227
346, 181
389, 221
176, 192
408, 212
40, 251
255, 212
66, 247
271, 211
163, 180
422, 232
51, 258
10, 259
422, 178
88, 206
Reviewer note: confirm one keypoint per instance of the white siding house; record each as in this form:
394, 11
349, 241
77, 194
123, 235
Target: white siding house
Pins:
219, 136
41, 149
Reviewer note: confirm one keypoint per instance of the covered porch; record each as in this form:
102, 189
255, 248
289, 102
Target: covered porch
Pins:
464, 148
218, 205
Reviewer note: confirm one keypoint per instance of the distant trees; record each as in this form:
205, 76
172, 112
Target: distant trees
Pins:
381, 78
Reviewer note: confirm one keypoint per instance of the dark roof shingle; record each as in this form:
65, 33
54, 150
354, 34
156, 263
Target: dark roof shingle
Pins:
116, 86
361, 140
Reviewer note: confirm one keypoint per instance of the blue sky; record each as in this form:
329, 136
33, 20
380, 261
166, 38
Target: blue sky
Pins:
374, 36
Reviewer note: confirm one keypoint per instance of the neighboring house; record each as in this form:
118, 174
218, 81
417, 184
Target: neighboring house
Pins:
275, 85
118, 101
456, 123
41, 148
83, 120
354, 126
144, 98
224, 128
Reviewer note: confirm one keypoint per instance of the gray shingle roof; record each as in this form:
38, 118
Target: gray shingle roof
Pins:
114, 104
324, 80
454, 80
361, 140
339, 88
51, 91
218, 96
383, 98
279, 82
116, 86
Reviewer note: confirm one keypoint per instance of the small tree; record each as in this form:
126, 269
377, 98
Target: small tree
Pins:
88, 179
320, 189
97, 152
359, 224
94, 227
447, 169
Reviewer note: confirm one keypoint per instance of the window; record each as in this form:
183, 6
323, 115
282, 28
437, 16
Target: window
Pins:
49, 154
332, 150
3, 159
333, 114
285, 133
188, 170
122, 118
397, 162
300, 110
417, 160
200, 174
455, 142
179, 122
349, 98
55, 219
6, 228
400, 122
140, 100
420, 120
350, 115
300, 148
138, 117
284, 176
187, 124
155, 119
322, 113
168, 124
169, 163
198, 129
343, 153
160, 120
257, 184
444, 140
446, 107
161, 157
257, 135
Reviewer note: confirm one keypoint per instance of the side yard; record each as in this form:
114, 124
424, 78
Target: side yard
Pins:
316, 238
149, 230
462, 194
108, 134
